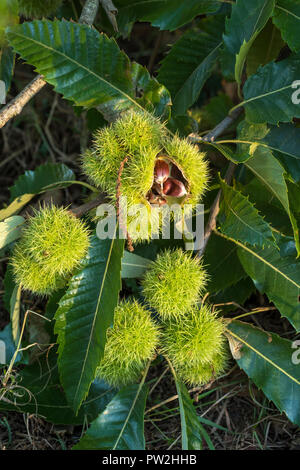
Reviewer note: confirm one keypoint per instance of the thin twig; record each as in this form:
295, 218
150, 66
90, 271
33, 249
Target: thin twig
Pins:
15, 107
218, 130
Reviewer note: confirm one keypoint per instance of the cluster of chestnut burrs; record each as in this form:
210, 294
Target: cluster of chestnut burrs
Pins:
168, 182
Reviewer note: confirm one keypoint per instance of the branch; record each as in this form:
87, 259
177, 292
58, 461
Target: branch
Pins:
210, 137
111, 12
16, 106
81, 210
218, 130
89, 12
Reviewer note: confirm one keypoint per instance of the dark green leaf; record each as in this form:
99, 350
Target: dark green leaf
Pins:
84, 314
268, 360
273, 84
243, 221
133, 266
287, 19
220, 257
284, 140
164, 14
213, 112
230, 154
246, 21
44, 176
234, 295
121, 425
190, 62
38, 391
276, 274
88, 68
265, 48
7, 62
267, 168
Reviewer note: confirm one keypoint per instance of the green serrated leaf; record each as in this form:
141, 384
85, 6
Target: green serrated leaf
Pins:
273, 83
243, 221
121, 425
268, 360
275, 273
266, 167
271, 173
287, 18
88, 68
84, 314
164, 14
246, 21
33, 182
190, 62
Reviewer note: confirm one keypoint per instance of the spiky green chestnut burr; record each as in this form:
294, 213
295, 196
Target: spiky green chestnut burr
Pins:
150, 169
136, 137
199, 374
130, 344
195, 344
38, 8
173, 283
51, 247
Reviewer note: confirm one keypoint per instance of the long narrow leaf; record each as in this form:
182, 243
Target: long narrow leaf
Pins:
84, 314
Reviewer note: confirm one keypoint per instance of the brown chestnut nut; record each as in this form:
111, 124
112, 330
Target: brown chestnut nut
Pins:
161, 171
173, 187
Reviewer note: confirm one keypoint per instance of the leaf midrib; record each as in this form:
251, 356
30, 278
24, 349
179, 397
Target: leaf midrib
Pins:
288, 12
244, 222
79, 65
264, 357
95, 314
274, 268
196, 69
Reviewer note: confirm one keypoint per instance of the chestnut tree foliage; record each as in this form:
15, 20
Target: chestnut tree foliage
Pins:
252, 230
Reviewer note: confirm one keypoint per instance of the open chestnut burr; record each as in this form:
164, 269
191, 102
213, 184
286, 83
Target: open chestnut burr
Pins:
168, 182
